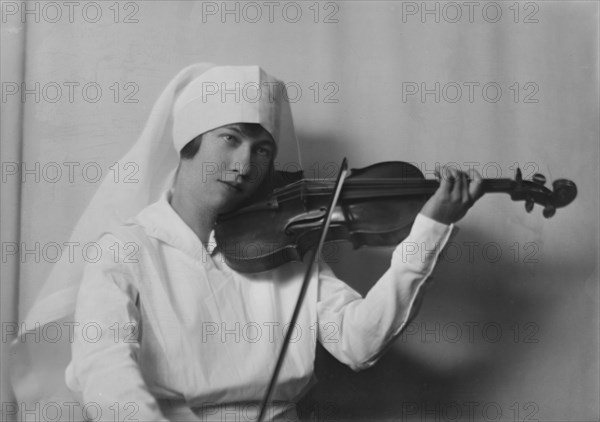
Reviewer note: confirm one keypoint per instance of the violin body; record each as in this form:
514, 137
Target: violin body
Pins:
289, 227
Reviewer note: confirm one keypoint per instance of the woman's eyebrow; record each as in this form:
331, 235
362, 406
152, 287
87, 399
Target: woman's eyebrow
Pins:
267, 142
238, 130
267, 139
233, 128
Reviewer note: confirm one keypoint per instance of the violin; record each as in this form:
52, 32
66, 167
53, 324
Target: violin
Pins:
377, 207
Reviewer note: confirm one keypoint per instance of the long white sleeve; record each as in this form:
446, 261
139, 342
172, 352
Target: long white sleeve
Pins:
104, 367
356, 330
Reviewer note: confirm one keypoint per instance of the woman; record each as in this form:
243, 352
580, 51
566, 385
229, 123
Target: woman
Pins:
183, 336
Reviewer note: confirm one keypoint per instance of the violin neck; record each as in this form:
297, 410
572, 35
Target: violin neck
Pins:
398, 187
498, 185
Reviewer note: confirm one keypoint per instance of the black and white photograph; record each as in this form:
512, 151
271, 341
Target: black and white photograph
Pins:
309, 210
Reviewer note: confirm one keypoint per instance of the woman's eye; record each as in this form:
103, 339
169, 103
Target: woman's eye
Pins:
265, 152
229, 138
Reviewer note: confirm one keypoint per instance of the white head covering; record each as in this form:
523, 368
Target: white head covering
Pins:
200, 98
230, 94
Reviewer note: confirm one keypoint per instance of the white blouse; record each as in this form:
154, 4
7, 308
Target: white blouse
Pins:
167, 331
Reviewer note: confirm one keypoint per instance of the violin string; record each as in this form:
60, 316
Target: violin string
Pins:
408, 183
312, 187
379, 187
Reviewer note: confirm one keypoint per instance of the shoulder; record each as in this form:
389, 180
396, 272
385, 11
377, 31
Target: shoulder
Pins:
127, 237
118, 254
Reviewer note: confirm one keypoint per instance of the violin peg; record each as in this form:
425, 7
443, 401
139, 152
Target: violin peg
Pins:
529, 204
549, 211
540, 179
518, 175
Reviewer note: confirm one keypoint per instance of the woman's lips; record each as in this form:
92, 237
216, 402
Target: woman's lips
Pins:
235, 186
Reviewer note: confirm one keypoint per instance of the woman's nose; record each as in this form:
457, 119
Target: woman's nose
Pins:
242, 163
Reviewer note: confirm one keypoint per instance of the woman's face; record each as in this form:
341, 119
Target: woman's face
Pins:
228, 168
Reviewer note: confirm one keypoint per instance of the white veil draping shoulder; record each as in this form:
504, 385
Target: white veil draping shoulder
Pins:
37, 364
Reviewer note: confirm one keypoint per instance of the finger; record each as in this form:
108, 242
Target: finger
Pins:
476, 187
457, 185
447, 181
465, 197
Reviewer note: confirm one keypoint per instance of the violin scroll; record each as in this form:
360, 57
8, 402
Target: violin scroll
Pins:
534, 192
565, 192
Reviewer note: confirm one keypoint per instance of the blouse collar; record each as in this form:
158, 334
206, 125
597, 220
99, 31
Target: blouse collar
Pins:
162, 222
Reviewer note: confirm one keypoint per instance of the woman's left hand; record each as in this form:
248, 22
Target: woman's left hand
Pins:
456, 194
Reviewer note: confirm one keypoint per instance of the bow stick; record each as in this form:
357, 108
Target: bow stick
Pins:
307, 275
